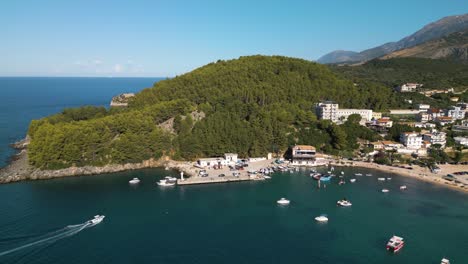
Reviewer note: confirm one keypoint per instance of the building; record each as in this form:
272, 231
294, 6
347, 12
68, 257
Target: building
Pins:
391, 145
384, 122
436, 137
434, 113
411, 140
303, 155
228, 159
408, 87
423, 107
444, 120
463, 105
376, 115
329, 110
461, 128
425, 125
231, 157
456, 112
423, 117
461, 140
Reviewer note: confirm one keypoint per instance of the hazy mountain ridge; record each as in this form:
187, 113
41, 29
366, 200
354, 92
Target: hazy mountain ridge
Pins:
440, 28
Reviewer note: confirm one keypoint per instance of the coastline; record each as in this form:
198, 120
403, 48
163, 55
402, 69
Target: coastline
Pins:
20, 170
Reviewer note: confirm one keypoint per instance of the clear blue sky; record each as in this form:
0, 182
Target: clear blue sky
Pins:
166, 38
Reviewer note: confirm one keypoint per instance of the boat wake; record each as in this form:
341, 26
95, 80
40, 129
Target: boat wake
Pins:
46, 239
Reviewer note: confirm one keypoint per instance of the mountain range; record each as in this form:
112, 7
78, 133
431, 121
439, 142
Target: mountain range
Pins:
442, 45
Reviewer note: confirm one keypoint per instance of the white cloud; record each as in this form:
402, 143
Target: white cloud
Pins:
97, 62
118, 68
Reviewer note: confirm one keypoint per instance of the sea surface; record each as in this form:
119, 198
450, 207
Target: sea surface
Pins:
45, 221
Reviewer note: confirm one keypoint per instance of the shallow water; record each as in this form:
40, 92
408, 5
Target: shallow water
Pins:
235, 222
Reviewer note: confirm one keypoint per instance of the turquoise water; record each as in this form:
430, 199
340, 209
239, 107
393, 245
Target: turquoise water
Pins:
222, 223
233, 223
24, 99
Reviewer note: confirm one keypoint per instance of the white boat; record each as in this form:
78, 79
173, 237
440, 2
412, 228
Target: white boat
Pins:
344, 203
283, 201
403, 187
395, 244
385, 190
389, 179
321, 218
368, 174
266, 177
381, 179
342, 172
445, 261
96, 220
352, 180
170, 179
134, 181
165, 182
358, 174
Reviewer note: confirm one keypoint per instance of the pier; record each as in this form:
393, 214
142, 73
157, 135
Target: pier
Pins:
207, 180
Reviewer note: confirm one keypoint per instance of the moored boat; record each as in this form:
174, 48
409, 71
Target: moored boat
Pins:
165, 182
385, 190
445, 261
358, 174
134, 181
403, 187
283, 201
368, 174
352, 180
325, 178
344, 203
389, 178
395, 244
381, 179
321, 218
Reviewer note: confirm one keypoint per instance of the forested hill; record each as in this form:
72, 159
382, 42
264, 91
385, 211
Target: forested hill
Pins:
252, 105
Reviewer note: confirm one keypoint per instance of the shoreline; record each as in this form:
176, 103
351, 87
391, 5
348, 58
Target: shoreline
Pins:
19, 170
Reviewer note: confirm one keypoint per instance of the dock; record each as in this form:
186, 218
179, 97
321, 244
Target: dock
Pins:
207, 180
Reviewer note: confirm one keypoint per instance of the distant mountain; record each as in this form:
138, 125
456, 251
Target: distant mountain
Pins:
338, 56
440, 28
453, 46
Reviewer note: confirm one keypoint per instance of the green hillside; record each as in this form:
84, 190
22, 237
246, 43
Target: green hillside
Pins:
253, 105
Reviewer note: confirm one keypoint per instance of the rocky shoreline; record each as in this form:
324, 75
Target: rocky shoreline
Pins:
20, 170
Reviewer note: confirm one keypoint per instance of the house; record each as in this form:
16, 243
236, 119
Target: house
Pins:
384, 122
411, 140
423, 117
408, 87
423, 107
444, 120
378, 145
436, 137
376, 115
456, 112
461, 140
303, 155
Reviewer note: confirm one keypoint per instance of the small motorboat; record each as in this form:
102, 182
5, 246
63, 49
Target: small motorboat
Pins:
96, 220
134, 181
385, 190
381, 179
368, 174
352, 180
266, 177
395, 244
321, 218
403, 187
325, 178
165, 182
358, 174
445, 261
344, 203
389, 179
283, 201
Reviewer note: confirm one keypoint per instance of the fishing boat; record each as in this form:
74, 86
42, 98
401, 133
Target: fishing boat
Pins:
395, 244
165, 182
445, 261
321, 218
381, 179
403, 187
283, 201
385, 190
358, 174
134, 181
344, 203
96, 220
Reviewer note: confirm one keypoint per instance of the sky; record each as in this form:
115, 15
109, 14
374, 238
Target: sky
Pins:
159, 38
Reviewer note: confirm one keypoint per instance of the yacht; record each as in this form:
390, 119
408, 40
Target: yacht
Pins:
445, 261
403, 187
165, 182
283, 201
395, 244
321, 218
134, 181
352, 180
344, 203
96, 220
385, 190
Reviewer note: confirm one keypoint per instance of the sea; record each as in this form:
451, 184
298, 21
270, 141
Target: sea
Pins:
46, 221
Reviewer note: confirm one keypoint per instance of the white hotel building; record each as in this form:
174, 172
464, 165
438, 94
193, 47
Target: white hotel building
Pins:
411, 140
329, 110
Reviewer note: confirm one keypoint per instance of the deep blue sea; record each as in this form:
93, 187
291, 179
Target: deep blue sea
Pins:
43, 221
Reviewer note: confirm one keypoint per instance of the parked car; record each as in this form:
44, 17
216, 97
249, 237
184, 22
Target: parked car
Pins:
221, 175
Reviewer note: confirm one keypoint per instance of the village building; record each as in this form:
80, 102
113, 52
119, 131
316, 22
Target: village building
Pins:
434, 113
456, 112
423, 107
306, 155
408, 87
425, 125
384, 122
329, 110
461, 140
463, 127
423, 117
228, 159
436, 137
444, 120
376, 115
411, 140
